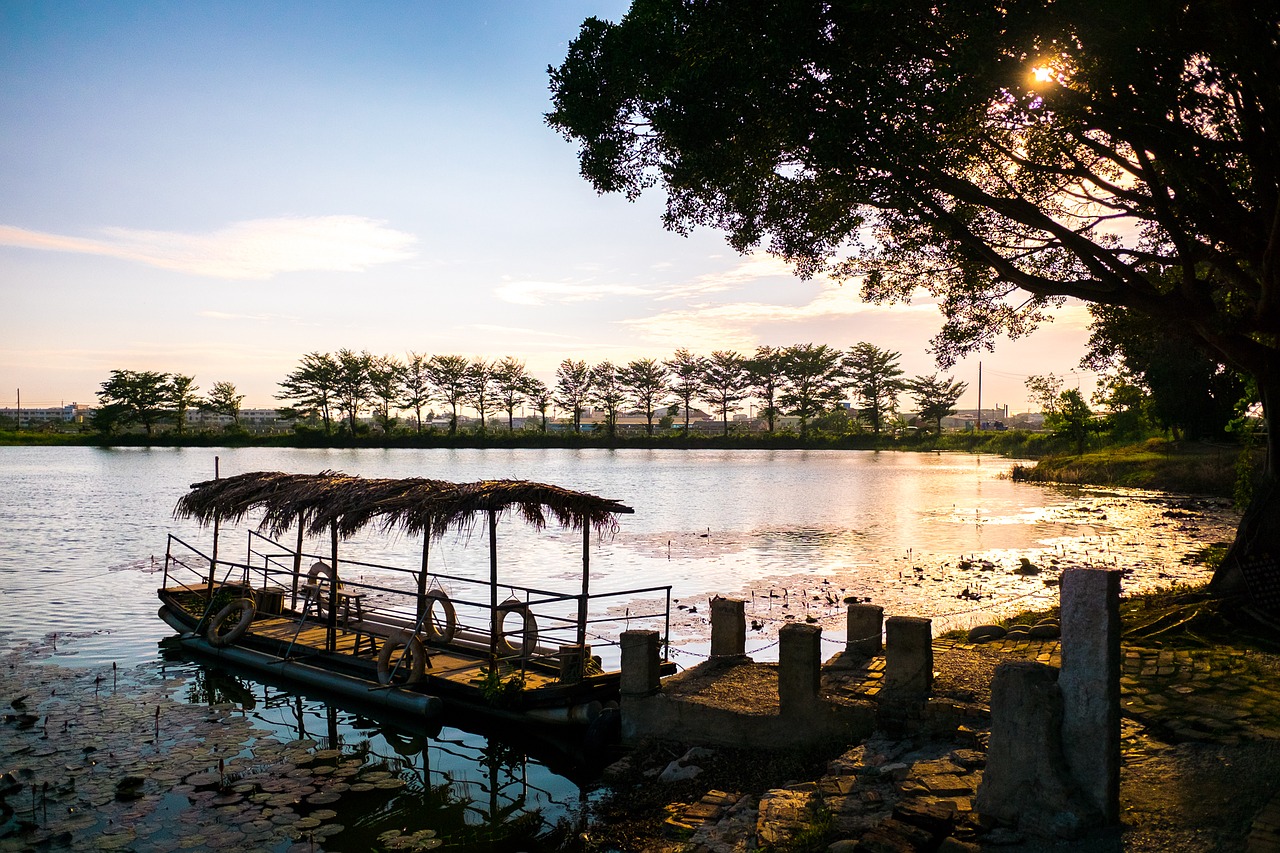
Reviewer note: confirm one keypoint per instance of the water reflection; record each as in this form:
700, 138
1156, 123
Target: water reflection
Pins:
407, 786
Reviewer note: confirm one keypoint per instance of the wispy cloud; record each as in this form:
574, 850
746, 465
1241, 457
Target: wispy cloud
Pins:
525, 292
735, 324
748, 269
252, 249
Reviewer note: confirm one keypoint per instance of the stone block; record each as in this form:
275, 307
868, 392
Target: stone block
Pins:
908, 657
799, 667
640, 663
1090, 684
1027, 781
864, 627
728, 627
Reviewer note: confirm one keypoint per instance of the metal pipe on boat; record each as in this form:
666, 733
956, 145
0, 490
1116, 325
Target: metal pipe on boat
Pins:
583, 714
416, 704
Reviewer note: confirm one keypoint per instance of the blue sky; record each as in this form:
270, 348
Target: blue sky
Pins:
218, 188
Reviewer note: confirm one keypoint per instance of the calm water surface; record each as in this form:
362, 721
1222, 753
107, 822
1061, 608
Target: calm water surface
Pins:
793, 532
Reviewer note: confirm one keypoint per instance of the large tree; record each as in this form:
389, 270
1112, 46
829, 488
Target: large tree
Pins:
766, 374
312, 385
573, 385
224, 399
510, 379
386, 389
687, 372
352, 389
645, 380
725, 383
876, 381
814, 384
1001, 154
936, 398
608, 393
417, 386
181, 397
133, 397
448, 377
479, 389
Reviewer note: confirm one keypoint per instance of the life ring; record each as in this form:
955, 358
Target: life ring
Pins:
218, 639
319, 568
528, 630
418, 660
435, 632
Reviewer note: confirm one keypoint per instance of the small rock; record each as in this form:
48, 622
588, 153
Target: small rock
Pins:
955, 845
981, 633
675, 772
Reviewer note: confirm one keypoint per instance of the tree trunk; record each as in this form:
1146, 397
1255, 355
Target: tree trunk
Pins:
1258, 536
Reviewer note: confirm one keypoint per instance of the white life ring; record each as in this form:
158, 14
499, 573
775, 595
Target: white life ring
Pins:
436, 632
319, 568
418, 660
528, 630
219, 639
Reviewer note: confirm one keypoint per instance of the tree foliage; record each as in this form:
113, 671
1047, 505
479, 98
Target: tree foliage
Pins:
687, 372
645, 380
312, 385
814, 381
936, 398
132, 397
724, 384
573, 384
876, 381
1002, 155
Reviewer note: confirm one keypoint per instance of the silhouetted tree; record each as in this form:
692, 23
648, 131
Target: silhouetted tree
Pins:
448, 377
573, 384
645, 380
133, 397
936, 398
313, 386
725, 383
180, 397
223, 400
510, 381
687, 373
386, 388
765, 371
814, 381
479, 389
417, 386
876, 381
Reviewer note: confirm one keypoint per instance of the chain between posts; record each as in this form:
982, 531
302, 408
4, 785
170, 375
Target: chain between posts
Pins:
818, 620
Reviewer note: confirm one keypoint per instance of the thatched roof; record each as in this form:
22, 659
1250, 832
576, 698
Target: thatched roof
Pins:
415, 505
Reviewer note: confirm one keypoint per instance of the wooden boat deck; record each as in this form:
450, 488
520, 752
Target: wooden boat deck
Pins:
460, 666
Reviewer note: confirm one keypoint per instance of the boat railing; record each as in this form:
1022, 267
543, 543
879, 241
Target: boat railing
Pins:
518, 624
467, 609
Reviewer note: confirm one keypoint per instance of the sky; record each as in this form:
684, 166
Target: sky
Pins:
218, 188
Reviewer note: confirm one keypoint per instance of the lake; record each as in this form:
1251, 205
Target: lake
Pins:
791, 532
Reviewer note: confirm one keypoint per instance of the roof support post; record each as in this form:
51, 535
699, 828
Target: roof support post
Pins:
331, 633
422, 575
495, 624
297, 565
586, 582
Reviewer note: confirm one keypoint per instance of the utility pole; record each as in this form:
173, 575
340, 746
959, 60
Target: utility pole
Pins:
19, 410
979, 396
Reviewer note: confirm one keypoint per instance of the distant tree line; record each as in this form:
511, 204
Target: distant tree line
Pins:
147, 398
337, 390
807, 381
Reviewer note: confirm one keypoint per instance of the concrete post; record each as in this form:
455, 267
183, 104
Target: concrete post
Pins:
640, 662
1090, 684
1026, 781
908, 657
728, 627
799, 667
863, 629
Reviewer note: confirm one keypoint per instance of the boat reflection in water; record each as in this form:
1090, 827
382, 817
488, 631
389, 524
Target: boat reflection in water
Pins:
464, 790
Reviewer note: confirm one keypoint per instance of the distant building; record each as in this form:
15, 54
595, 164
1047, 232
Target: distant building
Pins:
36, 416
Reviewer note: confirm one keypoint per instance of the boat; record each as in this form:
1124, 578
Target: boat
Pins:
412, 641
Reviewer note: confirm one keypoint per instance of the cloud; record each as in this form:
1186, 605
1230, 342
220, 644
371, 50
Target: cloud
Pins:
751, 268
252, 249
541, 292
733, 324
